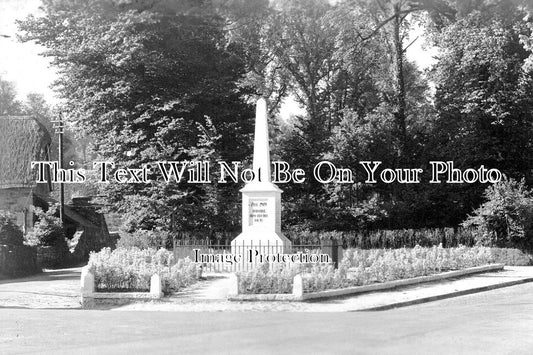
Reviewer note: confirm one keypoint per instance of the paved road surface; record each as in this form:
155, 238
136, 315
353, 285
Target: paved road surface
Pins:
50, 289
494, 322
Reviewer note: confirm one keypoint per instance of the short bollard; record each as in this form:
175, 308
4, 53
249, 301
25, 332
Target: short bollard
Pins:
87, 282
298, 286
233, 285
87, 287
156, 289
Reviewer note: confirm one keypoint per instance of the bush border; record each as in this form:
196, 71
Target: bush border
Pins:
89, 295
299, 295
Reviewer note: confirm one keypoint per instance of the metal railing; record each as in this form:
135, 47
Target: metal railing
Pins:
244, 257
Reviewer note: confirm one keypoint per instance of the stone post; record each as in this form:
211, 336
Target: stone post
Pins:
233, 285
87, 287
87, 282
156, 288
298, 286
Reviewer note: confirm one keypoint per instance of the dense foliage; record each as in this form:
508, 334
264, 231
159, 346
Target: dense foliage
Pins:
388, 238
380, 265
47, 230
173, 80
506, 218
267, 279
131, 269
150, 81
144, 239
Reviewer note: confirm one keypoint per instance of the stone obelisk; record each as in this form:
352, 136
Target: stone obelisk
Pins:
261, 199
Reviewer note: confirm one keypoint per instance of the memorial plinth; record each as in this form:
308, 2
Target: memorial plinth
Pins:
261, 199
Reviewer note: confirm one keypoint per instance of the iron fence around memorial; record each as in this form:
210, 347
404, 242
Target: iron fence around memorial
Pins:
221, 257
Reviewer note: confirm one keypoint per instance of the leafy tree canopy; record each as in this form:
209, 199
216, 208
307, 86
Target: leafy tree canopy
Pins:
143, 78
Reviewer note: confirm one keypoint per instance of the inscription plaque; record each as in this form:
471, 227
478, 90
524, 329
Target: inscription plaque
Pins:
259, 211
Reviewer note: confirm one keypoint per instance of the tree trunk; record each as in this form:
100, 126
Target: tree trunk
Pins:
399, 78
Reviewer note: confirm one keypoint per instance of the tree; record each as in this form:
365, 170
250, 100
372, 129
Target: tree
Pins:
325, 76
392, 20
505, 219
9, 105
142, 78
333, 60
483, 99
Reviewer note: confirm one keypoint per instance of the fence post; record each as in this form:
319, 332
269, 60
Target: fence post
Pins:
340, 254
156, 289
174, 249
331, 247
298, 286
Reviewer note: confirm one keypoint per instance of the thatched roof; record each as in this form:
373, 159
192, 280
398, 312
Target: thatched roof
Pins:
22, 140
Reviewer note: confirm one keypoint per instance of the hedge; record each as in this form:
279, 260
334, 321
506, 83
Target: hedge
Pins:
18, 261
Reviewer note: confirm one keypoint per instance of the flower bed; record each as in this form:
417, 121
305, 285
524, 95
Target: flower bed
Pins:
130, 270
363, 267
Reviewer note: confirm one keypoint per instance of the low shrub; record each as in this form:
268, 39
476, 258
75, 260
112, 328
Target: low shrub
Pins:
511, 257
143, 239
506, 218
380, 265
324, 277
131, 269
267, 279
10, 233
47, 231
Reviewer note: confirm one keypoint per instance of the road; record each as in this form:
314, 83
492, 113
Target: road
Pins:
494, 322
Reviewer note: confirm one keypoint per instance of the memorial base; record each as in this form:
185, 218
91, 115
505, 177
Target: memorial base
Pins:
255, 247
267, 242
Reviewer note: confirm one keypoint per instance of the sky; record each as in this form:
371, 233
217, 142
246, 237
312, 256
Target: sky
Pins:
21, 63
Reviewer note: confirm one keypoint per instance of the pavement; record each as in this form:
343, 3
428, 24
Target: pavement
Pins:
59, 289
214, 286
495, 322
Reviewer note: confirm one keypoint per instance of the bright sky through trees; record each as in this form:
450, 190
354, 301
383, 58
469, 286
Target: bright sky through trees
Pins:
21, 63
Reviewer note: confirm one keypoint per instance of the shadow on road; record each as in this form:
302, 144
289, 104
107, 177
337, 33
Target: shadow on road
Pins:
48, 275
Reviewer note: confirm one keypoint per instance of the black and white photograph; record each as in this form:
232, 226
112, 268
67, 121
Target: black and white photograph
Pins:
266, 177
